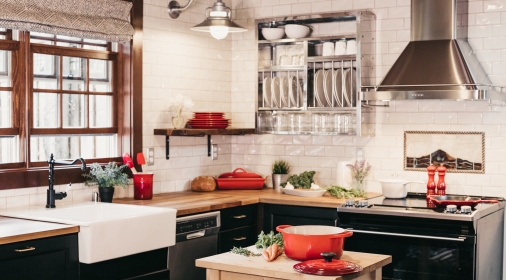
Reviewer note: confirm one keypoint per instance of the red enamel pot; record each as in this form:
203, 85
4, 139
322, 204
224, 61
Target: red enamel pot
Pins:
308, 242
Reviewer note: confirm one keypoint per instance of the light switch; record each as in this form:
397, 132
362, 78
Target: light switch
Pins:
151, 156
214, 151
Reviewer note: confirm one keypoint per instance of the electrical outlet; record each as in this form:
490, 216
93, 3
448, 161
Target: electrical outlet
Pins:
151, 156
214, 151
360, 154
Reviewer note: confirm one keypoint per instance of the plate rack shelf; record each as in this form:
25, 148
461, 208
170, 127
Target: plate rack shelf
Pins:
294, 78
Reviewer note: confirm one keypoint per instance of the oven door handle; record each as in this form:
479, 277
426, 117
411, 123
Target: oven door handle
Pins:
460, 239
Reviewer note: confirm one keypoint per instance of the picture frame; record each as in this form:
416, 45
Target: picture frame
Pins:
459, 152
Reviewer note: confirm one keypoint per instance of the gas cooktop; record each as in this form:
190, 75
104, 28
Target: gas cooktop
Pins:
416, 205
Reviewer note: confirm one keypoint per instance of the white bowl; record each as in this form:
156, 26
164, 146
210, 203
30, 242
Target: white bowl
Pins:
396, 188
296, 31
273, 33
305, 192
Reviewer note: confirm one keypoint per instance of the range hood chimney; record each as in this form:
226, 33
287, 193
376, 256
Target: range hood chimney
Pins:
438, 62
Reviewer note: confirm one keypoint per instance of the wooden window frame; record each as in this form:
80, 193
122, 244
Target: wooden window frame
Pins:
128, 112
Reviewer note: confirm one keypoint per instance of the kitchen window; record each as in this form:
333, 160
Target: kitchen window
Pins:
66, 96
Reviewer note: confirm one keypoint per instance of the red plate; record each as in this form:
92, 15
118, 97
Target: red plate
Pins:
208, 120
223, 126
209, 113
209, 123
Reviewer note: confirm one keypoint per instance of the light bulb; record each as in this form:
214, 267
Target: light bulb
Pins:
219, 32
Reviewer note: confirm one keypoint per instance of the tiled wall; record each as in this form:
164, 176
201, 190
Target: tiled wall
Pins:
487, 34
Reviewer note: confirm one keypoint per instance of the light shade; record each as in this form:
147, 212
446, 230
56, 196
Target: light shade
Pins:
218, 22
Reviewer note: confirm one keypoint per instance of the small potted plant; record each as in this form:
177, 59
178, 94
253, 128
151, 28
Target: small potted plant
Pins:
359, 171
106, 178
280, 170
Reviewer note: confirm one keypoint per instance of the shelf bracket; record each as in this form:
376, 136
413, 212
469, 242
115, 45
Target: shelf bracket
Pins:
209, 146
167, 146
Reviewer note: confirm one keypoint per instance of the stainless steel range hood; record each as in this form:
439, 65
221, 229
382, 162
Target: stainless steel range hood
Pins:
438, 62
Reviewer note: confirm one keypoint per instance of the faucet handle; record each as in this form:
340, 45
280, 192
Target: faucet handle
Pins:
94, 197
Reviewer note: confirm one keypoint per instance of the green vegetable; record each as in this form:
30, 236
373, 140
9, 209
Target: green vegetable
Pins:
341, 192
280, 167
244, 252
266, 240
302, 181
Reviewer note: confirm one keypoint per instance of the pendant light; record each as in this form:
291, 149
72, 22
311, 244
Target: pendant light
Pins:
218, 19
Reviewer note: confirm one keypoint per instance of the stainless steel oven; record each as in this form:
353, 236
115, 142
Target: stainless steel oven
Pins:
426, 242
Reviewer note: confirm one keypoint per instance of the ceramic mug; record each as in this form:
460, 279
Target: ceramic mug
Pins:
328, 49
351, 47
340, 48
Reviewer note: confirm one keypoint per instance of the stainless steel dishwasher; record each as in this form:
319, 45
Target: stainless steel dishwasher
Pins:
196, 237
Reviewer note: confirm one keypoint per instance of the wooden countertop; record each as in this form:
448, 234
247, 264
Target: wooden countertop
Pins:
16, 230
282, 267
189, 202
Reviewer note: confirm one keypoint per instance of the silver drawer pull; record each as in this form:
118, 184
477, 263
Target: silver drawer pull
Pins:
239, 238
25, 250
240, 217
460, 239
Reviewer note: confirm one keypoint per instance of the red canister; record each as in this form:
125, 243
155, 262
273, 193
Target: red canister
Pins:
143, 185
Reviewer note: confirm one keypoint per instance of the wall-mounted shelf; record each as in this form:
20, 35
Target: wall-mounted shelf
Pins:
193, 132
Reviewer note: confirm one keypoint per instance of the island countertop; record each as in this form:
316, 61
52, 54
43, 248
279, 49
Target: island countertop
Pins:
189, 202
17, 230
232, 266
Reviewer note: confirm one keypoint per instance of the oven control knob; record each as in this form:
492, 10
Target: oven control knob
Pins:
362, 203
465, 209
349, 203
451, 208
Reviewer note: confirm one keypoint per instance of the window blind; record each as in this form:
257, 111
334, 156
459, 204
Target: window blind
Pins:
93, 19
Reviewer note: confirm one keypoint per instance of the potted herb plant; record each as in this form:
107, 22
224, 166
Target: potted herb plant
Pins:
280, 170
106, 178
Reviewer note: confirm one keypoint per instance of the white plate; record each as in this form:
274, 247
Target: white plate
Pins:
283, 88
300, 91
275, 83
320, 95
267, 92
327, 86
292, 90
305, 193
351, 86
338, 87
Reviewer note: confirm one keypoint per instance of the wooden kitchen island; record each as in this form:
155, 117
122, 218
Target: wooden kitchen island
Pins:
228, 266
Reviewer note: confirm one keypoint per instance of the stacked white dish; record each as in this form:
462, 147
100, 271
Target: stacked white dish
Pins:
282, 92
335, 88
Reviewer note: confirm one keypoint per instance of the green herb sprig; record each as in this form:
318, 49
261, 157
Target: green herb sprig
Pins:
244, 252
340, 192
280, 167
301, 181
107, 177
266, 240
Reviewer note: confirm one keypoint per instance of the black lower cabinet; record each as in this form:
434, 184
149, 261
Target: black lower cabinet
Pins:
151, 265
46, 258
240, 237
275, 215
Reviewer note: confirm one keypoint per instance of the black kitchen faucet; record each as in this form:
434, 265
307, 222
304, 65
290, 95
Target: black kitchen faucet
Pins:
51, 194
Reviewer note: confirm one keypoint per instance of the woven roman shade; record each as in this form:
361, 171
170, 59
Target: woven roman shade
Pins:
93, 19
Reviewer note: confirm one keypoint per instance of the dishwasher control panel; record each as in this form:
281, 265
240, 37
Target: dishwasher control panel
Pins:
197, 222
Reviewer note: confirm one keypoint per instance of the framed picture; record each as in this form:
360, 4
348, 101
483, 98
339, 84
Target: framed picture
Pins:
459, 152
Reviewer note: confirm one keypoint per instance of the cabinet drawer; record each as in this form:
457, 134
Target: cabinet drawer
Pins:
241, 237
238, 217
38, 246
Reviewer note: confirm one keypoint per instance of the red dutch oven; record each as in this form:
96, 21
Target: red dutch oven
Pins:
308, 242
240, 179
240, 173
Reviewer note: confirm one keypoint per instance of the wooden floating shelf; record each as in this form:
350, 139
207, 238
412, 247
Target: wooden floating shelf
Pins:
194, 132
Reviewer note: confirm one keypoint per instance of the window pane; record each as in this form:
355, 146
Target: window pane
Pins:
68, 45
5, 66
74, 73
93, 41
37, 41
100, 111
9, 149
45, 65
38, 34
73, 110
5, 109
45, 110
68, 38
71, 147
96, 48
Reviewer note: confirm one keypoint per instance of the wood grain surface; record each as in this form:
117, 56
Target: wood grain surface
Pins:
17, 230
189, 202
282, 267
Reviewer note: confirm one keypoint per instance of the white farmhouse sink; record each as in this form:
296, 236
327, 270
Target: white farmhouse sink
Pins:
109, 231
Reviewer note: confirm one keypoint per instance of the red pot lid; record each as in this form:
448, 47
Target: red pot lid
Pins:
327, 267
240, 173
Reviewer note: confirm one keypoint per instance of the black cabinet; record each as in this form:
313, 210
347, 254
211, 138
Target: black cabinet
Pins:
46, 258
275, 215
238, 227
147, 265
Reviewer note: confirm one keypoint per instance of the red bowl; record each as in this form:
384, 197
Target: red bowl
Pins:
304, 243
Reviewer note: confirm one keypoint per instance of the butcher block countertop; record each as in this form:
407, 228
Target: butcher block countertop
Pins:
232, 266
189, 202
17, 230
